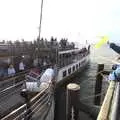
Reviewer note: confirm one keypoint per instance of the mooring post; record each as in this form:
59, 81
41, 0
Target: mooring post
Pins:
72, 98
98, 85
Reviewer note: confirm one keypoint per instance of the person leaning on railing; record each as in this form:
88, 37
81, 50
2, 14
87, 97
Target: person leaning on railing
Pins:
47, 77
115, 74
115, 47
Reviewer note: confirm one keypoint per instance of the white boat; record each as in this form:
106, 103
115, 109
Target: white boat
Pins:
67, 63
78, 59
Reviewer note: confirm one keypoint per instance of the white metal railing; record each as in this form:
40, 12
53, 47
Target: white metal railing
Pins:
36, 103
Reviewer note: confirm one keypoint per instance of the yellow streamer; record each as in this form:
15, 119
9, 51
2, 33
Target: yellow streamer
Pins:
101, 42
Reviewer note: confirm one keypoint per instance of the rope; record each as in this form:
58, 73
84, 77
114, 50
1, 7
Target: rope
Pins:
83, 82
92, 96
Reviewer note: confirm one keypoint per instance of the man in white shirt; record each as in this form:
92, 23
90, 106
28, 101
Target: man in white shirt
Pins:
47, 75
47, 78
44, 81
11, 71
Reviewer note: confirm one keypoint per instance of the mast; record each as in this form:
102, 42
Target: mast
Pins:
39, 36
40, 19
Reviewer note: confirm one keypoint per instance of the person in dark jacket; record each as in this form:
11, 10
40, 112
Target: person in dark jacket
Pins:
115, 47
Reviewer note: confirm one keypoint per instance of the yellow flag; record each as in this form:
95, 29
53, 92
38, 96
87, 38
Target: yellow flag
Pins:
101, 42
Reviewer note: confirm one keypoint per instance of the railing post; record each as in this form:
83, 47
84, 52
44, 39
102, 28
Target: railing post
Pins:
73, 91
24, 94
98, 85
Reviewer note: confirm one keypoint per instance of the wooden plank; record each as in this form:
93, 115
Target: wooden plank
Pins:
105, 108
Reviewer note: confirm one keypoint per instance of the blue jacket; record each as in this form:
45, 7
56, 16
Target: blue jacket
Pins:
115, 75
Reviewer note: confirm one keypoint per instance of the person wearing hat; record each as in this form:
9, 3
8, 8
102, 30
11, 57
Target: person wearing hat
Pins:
115, 74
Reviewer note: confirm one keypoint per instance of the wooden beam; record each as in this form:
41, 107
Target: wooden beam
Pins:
105, 108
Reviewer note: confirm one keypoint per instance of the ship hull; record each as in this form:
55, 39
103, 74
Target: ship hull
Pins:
70, 70
60, 79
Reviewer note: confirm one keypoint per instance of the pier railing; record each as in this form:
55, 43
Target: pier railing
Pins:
106, 106
110, 105
9, 81
39, 105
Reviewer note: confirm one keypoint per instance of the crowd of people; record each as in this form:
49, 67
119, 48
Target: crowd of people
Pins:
11, 71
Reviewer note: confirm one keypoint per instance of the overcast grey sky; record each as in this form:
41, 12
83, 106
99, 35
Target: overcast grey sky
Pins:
76, 19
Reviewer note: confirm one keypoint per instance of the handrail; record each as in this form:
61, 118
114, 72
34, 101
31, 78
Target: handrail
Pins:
16, 75
115, 103
105, 108
22, 109
26, 112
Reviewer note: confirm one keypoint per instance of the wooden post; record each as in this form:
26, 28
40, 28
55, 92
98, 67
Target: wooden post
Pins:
72, 98
98, 85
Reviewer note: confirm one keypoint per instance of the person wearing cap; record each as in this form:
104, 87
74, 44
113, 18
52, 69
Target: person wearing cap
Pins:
115, 74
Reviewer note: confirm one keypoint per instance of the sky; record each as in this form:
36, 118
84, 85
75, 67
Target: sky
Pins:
77, 20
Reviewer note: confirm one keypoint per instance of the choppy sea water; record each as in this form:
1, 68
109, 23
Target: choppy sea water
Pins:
86, 79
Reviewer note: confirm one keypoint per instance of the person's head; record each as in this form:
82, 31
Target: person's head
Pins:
11, 66
50, 66
114, 67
